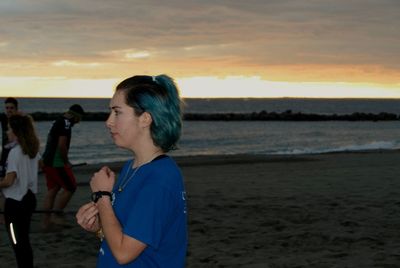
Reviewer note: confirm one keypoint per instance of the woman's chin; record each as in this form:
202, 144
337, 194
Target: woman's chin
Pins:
120, 145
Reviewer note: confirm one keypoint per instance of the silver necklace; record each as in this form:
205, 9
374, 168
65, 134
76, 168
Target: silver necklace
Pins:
126, 179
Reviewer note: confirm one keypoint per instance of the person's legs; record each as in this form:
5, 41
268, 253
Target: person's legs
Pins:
17, 218
57, 178
68, 183
53, 187
29, 205
48, 206
63, 199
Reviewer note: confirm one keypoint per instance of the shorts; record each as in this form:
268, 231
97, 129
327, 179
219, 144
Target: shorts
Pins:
60, 177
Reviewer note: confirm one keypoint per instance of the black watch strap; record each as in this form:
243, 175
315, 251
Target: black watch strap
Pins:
97, 195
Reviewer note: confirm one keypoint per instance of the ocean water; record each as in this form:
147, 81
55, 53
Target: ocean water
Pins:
91, 142
320, 106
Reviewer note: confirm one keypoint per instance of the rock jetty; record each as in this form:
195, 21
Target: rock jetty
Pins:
255, 116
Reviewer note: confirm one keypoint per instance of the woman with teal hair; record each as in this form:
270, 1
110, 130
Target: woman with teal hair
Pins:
141, 217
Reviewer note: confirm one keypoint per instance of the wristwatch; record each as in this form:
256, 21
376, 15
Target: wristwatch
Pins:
97, 195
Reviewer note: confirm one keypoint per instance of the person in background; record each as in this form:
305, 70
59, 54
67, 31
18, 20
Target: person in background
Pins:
141, 218
10, 108
19, 186
56, 164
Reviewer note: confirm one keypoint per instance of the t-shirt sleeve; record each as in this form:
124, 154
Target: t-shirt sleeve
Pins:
64, 128
12, 161
150, 215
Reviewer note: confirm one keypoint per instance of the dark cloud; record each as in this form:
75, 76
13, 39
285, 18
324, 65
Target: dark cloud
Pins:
257, 32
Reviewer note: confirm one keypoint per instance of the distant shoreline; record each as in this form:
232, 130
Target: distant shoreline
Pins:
254, 116
220, 159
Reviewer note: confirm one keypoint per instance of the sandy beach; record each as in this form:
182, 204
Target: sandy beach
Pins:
328, 210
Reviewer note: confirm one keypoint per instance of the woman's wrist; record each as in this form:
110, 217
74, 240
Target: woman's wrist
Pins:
96, 196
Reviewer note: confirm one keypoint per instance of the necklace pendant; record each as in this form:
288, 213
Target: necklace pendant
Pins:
126, 179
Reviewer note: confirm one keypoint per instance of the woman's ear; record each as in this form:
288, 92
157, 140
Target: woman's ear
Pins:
145, 119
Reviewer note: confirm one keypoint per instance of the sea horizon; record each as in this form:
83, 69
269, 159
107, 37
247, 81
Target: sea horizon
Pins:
92, 143
237, 105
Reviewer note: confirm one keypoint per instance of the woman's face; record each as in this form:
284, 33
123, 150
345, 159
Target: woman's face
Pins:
10, 134
122, 122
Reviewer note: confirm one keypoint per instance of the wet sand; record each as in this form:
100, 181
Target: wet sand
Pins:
327, 210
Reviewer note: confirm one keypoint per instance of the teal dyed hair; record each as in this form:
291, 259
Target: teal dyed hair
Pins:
159, 96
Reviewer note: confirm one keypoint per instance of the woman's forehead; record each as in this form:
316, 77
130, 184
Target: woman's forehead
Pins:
118, 99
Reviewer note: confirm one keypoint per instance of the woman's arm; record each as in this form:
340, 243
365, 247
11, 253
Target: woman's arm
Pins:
63, 148
124, 248
8, 180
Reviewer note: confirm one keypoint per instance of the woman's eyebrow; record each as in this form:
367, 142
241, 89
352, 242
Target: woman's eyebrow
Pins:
115, 107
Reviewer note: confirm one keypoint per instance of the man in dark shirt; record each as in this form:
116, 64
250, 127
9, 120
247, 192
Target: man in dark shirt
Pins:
56, 165
10, 108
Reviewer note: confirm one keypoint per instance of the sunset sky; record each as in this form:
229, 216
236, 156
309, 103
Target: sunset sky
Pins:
225, 48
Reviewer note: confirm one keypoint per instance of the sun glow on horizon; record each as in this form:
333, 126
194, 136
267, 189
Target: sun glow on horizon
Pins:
255, 87
57, 87
198, 87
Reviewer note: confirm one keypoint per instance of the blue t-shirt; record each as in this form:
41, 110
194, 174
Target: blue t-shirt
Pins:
152, 209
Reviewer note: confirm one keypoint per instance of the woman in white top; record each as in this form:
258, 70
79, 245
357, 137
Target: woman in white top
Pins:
19, 186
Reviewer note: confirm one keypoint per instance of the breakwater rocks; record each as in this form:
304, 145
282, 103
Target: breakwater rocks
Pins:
256, 116
290, 116
89, 116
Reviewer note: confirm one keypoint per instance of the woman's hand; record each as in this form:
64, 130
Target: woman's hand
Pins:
87, 217
103, 180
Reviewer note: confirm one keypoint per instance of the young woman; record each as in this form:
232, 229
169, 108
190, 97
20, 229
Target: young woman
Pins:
19, 186
141, 217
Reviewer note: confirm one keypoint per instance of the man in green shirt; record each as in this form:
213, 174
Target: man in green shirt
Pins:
56, 165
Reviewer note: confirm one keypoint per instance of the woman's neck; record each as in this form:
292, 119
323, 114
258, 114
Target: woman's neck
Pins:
146, 156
